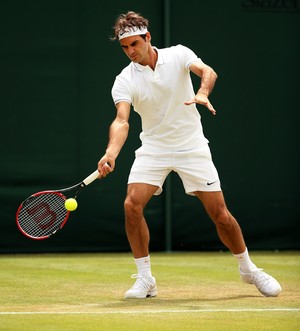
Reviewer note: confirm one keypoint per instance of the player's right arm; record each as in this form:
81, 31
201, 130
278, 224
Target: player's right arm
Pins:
118, 133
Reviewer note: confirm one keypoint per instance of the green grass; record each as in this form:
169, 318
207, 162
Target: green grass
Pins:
196, 291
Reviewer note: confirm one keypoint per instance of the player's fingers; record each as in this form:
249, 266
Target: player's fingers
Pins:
211, 108
100, 174
206, 104
108, 167
101, 169
187, 103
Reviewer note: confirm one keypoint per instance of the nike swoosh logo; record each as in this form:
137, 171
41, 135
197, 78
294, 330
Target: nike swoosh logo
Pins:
211, 183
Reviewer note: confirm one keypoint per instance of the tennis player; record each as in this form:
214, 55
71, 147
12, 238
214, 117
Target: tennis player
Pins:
157, 84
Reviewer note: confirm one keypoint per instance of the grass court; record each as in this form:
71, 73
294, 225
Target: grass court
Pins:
196, 291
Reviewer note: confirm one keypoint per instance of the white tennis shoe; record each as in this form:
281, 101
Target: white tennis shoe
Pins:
266, 284
144, 286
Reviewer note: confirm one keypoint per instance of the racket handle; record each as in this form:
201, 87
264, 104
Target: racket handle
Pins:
89, 179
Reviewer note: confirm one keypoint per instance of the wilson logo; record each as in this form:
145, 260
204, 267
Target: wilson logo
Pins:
42, 212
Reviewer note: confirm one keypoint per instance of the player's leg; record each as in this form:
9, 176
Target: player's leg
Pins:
138, 195
146, 179
231, 235
227, 227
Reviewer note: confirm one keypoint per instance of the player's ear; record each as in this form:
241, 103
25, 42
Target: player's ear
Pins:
148, 36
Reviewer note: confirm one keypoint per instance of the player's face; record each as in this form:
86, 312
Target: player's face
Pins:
136, 48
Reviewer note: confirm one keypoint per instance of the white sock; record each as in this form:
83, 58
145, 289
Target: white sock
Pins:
143, 265
245, 262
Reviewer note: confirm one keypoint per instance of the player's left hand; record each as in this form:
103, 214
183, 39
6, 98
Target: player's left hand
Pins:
202, 99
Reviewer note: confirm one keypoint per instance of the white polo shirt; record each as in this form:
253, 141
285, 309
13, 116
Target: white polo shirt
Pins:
158, 97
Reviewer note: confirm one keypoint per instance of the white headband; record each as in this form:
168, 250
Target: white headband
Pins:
132, 32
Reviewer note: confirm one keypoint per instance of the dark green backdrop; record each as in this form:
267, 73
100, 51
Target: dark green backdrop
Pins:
57, 69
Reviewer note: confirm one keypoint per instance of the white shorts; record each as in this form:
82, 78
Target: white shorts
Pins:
195, 168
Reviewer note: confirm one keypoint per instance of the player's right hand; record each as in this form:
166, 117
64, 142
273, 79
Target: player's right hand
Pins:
105, 166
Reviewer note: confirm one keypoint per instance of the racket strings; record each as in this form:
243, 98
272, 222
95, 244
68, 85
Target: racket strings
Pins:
42, 215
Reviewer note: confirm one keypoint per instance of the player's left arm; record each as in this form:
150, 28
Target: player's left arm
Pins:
208, 78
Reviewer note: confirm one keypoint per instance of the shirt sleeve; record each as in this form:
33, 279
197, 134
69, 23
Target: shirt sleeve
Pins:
121, 91
187, 55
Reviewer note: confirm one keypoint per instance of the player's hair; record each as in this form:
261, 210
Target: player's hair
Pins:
127, 21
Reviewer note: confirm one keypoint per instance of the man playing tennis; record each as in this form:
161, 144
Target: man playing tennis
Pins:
158, 85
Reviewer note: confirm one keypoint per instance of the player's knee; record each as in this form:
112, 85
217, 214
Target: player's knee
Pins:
132, 208
223, 219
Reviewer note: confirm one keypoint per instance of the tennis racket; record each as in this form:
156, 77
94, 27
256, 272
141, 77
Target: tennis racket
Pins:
44, 213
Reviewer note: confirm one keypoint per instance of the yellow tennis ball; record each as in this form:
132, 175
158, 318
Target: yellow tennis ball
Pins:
71, 204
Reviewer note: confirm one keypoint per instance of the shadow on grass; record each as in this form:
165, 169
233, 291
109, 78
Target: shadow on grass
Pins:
172, 303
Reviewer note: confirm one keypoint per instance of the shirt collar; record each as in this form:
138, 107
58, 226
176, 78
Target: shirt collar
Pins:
160, 60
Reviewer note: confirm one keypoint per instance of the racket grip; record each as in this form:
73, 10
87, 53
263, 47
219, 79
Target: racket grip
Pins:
89, 179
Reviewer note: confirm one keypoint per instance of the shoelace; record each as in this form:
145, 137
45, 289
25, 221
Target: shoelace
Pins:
261, 277
265, 283
141, 282
261, 280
